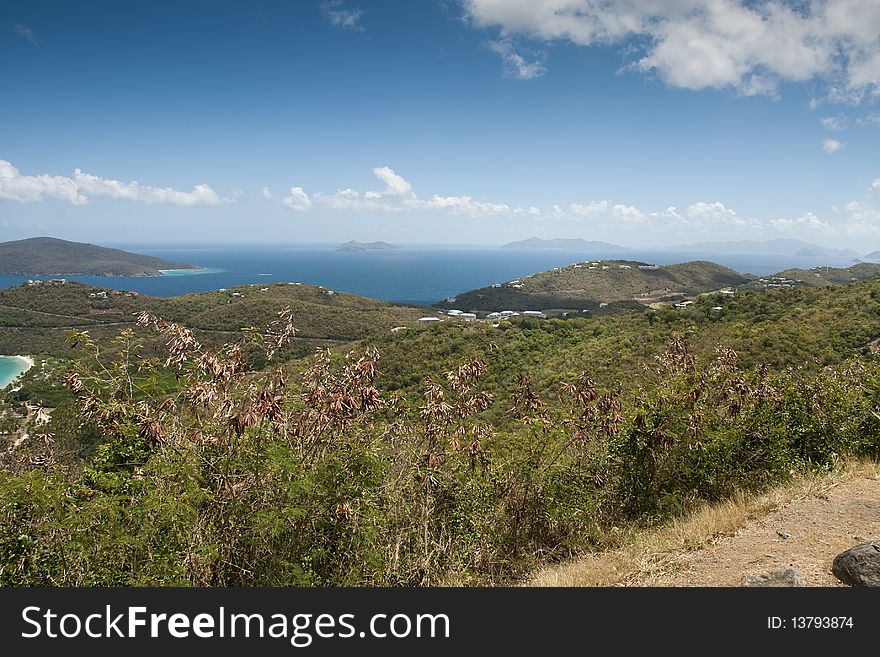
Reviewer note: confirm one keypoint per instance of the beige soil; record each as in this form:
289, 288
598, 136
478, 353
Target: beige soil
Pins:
806, 532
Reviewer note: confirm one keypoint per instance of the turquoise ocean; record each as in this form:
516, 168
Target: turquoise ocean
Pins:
10, 368
412, 274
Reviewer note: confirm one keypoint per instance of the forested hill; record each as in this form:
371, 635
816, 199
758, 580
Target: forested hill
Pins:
819, 276
48, 256
587, 284
37, 318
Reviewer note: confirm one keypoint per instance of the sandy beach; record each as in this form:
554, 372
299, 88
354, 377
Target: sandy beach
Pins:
11, 367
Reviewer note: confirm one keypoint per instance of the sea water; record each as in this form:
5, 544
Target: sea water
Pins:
10, 368
413, 274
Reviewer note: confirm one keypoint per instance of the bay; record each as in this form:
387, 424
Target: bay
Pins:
412, 274
11, 367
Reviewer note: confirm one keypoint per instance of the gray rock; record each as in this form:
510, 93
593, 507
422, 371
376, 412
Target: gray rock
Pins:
790, 576
859, 566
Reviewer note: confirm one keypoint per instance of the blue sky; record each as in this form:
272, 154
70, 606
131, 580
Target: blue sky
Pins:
464, 121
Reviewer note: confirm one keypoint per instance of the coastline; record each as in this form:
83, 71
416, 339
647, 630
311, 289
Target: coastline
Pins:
24, 364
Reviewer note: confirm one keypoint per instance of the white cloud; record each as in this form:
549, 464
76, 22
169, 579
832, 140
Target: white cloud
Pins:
77, 190
267, 193
26, 32
342, 17
836, 123
394, 185
831, 145
465, 205
514, 63
707, 215
871, 119
297, 199
697, 44
345, 199
398, 196
806, 222
863, 220
702, 218
607, 210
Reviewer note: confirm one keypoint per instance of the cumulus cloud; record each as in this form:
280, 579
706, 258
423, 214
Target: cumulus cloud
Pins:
342, 17
26, 32
394, 185
398, 195
266, 192
607, 210
806, 222
707, 215
702, 218
831, 146
297, 199
697, 44
78, 189
515, 64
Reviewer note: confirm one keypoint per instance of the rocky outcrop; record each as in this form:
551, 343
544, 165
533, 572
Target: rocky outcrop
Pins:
859, 565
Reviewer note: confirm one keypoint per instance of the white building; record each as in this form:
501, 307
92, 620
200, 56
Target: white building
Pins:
454, 313
468, 317
534, 313
425, 321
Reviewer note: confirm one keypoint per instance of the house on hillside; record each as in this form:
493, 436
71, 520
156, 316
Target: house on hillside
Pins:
534, 313
427, 321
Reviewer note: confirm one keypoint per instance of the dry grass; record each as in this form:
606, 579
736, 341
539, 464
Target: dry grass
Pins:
648, 553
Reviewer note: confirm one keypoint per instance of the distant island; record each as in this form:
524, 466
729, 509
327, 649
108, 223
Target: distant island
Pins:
778, 246
365, 246
782, 246
575, 244
48, 256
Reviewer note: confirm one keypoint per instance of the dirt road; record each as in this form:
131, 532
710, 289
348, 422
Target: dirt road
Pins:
807, 532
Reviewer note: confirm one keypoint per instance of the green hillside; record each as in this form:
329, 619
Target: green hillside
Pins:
48, 256
37, 319
818, 276
622, 284
457, 453
807, 327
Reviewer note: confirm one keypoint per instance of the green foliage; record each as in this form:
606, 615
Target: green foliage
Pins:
455, 454
579, 287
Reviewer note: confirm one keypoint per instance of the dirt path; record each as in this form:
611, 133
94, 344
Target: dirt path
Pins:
807, 532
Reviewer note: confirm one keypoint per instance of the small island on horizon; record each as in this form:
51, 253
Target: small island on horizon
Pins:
49, 256
352, 245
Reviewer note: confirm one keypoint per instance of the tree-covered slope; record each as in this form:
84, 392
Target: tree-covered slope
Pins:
587, 284
48, 256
